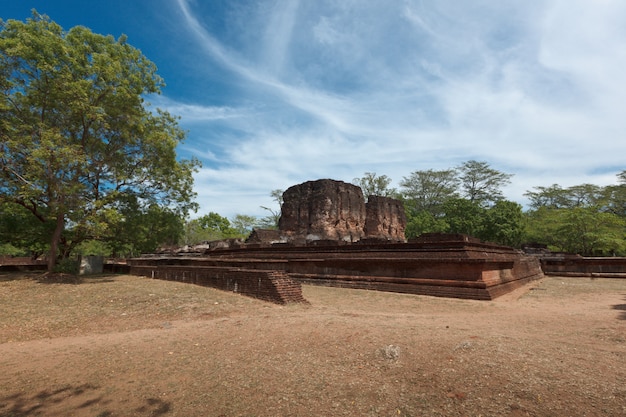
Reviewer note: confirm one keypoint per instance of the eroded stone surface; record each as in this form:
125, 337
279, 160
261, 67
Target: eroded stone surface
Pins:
323, 210
385, 219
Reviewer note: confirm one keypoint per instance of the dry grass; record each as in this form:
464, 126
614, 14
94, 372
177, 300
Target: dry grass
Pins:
126, 346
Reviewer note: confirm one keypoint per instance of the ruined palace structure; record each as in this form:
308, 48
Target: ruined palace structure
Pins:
336, 211
328, 235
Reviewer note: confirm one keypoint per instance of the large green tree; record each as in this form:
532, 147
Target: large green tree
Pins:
480, 183
77, 137
428, 190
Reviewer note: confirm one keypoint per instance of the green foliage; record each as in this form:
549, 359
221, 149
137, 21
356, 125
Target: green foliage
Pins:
20, 230
464, 216
94, 247
243, 224
77, 137
372, 184
420, 222
429, 190
434, 203
584, 219
589, 232
67, 266
271, 220
7, 249
212, 226
555, 197
143, 229
480, 183
615, 196
504, 224
582, 230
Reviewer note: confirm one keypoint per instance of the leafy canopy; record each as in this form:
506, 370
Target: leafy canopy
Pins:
77, 139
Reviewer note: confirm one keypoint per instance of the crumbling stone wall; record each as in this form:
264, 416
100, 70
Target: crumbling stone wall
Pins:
323, 210
385, 219
329, 210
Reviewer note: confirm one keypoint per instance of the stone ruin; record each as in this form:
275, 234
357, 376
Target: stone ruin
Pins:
329, 210
328, 235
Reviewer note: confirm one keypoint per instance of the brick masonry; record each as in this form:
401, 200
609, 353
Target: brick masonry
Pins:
444, 266
269, 285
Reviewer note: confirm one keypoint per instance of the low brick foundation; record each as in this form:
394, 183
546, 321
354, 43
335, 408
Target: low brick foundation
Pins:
273, 286
578, 266
448, 266
21, 263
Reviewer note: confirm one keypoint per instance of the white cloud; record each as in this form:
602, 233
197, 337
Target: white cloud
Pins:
340, 89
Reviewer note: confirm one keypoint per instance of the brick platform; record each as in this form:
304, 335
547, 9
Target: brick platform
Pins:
578, 266
444, 265
10, 263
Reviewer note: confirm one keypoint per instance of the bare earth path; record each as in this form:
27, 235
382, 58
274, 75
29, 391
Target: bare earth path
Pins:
131, 346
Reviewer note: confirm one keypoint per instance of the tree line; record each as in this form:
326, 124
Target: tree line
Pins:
585, 219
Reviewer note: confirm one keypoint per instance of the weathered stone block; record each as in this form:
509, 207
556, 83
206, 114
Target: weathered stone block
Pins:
323, 210
385, 219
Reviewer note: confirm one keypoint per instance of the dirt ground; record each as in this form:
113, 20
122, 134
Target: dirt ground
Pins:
132, 346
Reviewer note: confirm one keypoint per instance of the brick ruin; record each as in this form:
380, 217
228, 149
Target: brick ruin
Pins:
329, 210
272, 285
328, 235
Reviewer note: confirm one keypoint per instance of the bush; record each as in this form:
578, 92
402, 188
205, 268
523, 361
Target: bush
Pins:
67, 266
9, 250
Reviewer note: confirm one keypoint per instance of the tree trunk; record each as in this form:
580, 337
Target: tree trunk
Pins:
54, 243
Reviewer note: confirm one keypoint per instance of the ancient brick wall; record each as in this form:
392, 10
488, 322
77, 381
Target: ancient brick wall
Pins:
572, 265
21, 263
329, 210
268, 285
323, 209
385, 219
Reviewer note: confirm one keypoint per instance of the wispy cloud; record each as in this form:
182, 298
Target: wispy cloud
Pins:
334, 89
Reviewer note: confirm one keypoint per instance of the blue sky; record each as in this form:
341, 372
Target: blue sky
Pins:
274, 93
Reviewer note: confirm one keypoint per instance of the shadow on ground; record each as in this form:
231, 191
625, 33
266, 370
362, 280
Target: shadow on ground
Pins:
72, 400
622, 308
59, 278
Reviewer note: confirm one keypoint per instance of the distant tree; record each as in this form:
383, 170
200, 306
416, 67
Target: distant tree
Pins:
588, 232
211, 227
243, 224
584, 195
615, 196
551, 197
372, 184
215, 222
503, 224
480, 183
542, 227
581, 230
428, 190
464, 216
143, 229
271, 221
76, 136
422, 222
